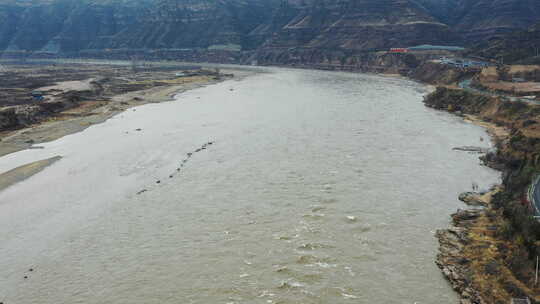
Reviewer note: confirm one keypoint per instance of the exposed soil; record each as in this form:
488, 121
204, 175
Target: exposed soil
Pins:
18, 174
517, 80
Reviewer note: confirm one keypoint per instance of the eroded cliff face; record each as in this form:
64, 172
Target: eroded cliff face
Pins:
206, 24
328, 29
68, 25
270, 26
63, 25
515, 47
478, 20
349, 33
440, 74
487, 18
360, 25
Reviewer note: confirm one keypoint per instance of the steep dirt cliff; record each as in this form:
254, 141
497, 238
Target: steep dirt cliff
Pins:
482, 20
377, 62
515, 47
361, 25
68, 25
434, 73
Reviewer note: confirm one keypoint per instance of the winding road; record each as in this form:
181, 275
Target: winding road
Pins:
534, 194
466, 85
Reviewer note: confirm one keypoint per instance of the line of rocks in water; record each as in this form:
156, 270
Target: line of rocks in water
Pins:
26, 276
182, 163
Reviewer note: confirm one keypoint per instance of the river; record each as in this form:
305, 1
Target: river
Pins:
318, 187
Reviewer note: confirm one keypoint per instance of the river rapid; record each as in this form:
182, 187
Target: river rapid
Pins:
317, 187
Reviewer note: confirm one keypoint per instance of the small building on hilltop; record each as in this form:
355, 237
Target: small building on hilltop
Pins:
37, 95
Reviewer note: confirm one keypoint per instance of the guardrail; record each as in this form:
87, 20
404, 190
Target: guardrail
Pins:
520, 301
530, 195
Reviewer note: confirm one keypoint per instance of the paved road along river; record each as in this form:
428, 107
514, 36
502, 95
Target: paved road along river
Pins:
318, 187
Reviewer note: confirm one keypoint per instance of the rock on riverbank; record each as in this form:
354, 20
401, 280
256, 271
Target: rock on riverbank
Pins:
451, 258
473, 198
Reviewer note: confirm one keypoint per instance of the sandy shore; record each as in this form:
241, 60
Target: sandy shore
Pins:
86, 114
89, 113
20, 173
498, 133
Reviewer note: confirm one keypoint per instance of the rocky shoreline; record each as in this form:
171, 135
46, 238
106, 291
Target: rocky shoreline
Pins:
452, 259
486, 254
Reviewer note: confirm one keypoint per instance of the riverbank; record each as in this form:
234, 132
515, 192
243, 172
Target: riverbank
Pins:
70, 107
109, 91
23, 172
489, 254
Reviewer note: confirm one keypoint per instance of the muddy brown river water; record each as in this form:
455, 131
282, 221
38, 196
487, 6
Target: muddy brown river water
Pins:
318, 187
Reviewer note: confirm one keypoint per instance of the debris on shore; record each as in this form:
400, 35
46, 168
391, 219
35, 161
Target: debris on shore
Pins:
471, 149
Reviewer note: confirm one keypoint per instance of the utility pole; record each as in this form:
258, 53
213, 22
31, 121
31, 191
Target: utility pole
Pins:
536, 276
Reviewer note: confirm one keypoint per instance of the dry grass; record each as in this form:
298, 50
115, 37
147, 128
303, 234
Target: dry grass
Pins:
523, 68
489, 74
498, 132
517, 87
483, 250
179, 80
